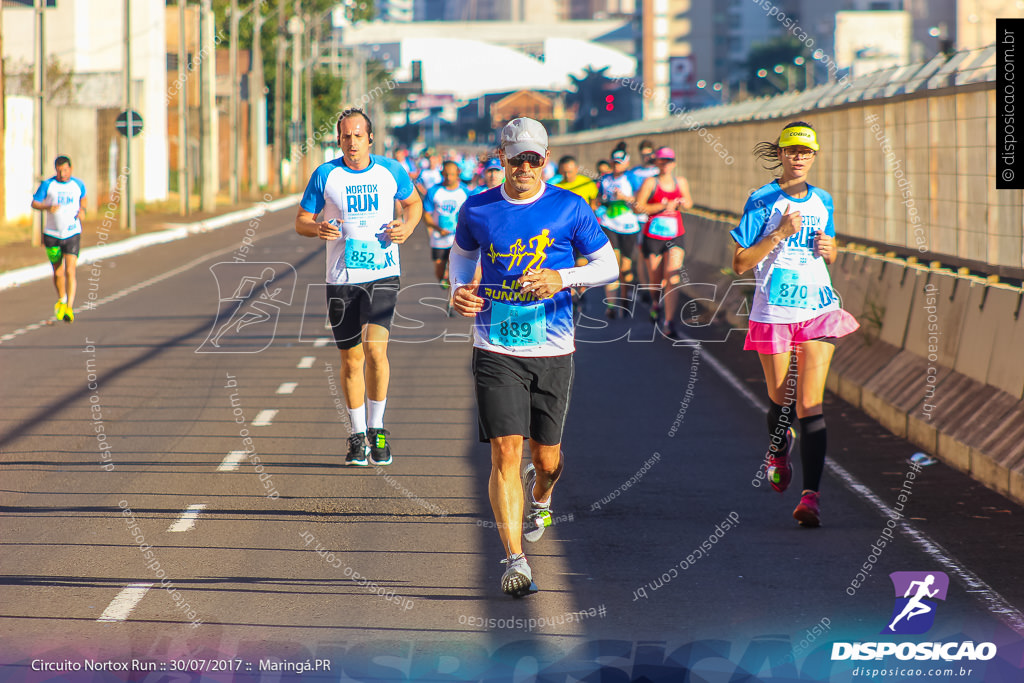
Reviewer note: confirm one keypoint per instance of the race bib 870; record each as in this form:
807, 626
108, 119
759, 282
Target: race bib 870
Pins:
788, 289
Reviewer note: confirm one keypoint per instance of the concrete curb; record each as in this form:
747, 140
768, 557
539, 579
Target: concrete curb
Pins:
20, 276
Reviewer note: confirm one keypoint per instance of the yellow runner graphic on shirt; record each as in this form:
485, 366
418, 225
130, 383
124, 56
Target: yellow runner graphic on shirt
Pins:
518, 251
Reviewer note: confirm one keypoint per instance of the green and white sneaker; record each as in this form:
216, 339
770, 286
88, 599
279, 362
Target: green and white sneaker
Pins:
538, 517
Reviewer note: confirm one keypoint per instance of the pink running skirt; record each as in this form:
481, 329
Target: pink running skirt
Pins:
772, 338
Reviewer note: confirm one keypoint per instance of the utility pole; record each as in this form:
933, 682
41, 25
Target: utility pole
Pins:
207, 109
3, 122
314, 52
296, 27
279, 136
256, 151
37, 216
233, 106
184, 181
127, 218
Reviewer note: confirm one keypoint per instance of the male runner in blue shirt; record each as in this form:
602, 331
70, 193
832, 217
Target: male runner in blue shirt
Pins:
523, 234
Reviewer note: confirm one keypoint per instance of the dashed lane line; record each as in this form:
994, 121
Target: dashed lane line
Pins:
188, 518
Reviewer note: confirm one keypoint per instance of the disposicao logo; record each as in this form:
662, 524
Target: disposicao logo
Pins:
914, 613
916, 592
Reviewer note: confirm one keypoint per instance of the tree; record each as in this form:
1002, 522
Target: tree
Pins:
327, 88
60, 86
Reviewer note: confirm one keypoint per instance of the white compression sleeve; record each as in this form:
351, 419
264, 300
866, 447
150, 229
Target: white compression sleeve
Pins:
461, 265
600, 269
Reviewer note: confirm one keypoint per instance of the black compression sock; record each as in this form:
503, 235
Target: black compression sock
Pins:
779, 420
813, 444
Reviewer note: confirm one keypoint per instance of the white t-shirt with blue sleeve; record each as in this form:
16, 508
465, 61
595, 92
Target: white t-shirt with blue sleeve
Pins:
513, 236
444, 204
67, 197
362, 203
793, 283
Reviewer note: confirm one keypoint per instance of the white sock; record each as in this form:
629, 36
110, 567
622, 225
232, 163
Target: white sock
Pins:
357, 418
376, 418
64, 299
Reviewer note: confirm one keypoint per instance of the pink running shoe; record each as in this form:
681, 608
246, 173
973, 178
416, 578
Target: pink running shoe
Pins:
807, 512
780, 471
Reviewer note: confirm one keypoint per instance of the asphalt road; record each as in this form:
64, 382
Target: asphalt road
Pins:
134, 528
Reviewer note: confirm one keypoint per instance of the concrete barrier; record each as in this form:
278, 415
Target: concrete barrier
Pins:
937, 360
1004, 318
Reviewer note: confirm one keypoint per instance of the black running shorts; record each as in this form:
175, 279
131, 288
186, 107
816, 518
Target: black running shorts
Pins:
349, 307
524, 396
652, 246
624, 244
69, 245
440, 253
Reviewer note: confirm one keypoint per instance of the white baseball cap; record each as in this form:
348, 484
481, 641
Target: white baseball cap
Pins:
524, 135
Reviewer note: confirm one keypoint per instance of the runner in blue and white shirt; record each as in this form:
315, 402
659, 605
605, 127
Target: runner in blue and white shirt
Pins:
356, 195
787, 237
62, 197
523, 233
440, 213
620, 223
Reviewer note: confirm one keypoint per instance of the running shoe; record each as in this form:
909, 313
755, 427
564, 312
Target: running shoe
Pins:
539, 516
69, 314
380, 450
356, 450
58, 310
807, 512
517, 580
780, 470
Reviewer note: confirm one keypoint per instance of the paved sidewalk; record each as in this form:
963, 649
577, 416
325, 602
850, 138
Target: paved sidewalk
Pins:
25, 263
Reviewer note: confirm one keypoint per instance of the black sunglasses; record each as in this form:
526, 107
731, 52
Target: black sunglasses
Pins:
535, 160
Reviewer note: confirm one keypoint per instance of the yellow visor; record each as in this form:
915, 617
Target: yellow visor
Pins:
799, 135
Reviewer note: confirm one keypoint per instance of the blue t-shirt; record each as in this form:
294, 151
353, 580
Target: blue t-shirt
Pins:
445, 205
638, 174
514, 236
793, 284
67, 197
363, 203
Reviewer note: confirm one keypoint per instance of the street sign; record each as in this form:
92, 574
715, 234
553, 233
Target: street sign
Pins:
123, 124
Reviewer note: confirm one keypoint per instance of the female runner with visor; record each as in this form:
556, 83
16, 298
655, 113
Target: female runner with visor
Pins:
787, 236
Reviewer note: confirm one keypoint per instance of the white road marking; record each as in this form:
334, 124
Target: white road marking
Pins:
263, 418
988, 596
125, 601
232, 461
287, 388
188, 518
322, 341
306, 362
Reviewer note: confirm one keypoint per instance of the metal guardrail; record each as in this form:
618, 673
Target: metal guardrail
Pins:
961, 68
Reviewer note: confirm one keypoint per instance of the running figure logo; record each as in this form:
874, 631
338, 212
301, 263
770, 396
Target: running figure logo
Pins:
255, 290
518, 251
914, 612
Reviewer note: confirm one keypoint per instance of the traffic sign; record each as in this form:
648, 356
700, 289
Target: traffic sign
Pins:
123, 123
